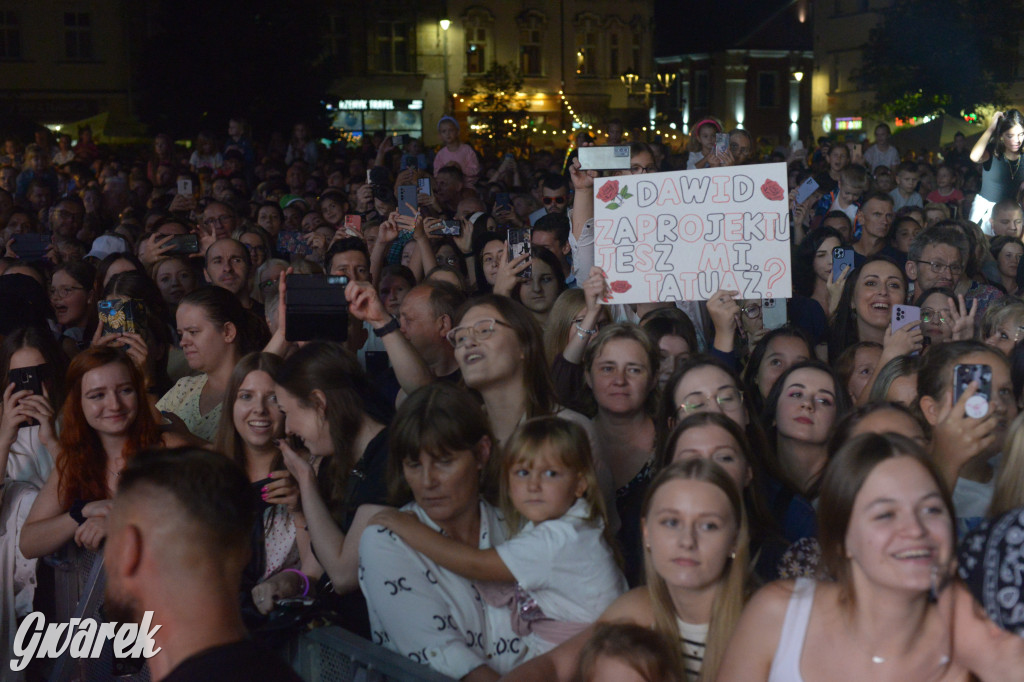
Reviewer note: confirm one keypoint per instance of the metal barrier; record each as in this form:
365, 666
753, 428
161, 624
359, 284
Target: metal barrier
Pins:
332, 654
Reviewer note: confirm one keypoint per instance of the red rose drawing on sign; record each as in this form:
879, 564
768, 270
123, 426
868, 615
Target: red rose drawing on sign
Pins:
772, 191
610, 192
620, 287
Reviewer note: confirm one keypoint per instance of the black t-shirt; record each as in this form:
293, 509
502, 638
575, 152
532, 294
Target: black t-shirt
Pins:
1000, 178
243, 661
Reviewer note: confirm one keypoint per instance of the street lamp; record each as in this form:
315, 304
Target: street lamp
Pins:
445, 24
647, 90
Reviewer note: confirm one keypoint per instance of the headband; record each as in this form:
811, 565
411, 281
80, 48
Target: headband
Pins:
707, 120
446, 117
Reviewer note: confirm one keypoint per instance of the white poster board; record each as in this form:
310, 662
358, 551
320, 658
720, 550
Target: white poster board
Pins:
684, 235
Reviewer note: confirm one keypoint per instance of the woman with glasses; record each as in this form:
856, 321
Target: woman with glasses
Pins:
257, 243
621, 370
943, 318
706, 384
74, 301
800, 411
1007, 251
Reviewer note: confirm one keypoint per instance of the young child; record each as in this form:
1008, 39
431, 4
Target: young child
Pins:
702, 144
454, 151
1008, 219
853, 182
884, 182
907, 177
946, 191
205, 155
616, 650
560, 558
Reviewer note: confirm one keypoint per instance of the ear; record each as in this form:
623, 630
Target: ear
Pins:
581, 485
230, 332
319, 399
930, 409
643, 531
206, 276
128, 557
483, 452
566, 249
911, 268
444, 325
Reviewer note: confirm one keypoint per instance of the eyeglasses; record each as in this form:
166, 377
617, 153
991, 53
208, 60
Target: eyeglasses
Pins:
267, 283
753, 311
930, 315
478, 331
554, 200
63, 292
222, 220
637, 169
729, 399
936, 268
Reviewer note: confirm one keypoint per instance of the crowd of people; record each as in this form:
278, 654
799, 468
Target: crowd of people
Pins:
491, 471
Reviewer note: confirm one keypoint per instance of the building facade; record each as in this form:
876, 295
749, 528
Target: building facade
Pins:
66, 60
571, 54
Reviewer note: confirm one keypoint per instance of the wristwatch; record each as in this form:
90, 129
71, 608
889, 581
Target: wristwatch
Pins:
391, 326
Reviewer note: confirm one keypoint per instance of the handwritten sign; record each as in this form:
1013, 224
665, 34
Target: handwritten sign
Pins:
684, 235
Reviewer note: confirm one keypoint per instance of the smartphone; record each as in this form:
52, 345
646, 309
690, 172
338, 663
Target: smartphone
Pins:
518, 244
613, 157
903, 315
369, 179
855, 150
409, 161
773, 313
354, 221
185, 186
805, 190
423, 184
27, 379
377, 362
963, 375
502, 200
31, 246
797, 146
841, 257
407, 201
316, 308
452, 228
183, 244
400, 140
121, 316
721, 143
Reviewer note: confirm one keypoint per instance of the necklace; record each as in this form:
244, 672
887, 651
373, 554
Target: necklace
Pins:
1013, 168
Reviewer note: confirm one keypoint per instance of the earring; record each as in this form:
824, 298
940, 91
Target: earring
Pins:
732, 555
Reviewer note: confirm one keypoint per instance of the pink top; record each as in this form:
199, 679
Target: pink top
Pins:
464, 157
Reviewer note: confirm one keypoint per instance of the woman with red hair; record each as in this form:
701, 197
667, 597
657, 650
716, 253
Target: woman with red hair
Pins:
105, 421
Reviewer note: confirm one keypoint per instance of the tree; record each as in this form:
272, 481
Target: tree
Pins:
498, 112
208, 61
929, 57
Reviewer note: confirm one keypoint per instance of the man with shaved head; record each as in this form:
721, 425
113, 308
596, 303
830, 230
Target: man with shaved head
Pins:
177, 541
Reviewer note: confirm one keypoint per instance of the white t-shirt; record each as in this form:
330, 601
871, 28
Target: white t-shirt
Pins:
875, 157
566, 566
429, 614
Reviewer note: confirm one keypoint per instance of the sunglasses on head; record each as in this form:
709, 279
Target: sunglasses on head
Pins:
554, 200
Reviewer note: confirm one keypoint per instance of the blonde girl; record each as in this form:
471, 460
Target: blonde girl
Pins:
559, 555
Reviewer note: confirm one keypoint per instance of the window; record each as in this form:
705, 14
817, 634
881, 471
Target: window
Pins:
78, 37
638, 62
613, 54
767, 89
701, 90
476, 50
530, 37
337, 39
394, 47
586, 47
10, 35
